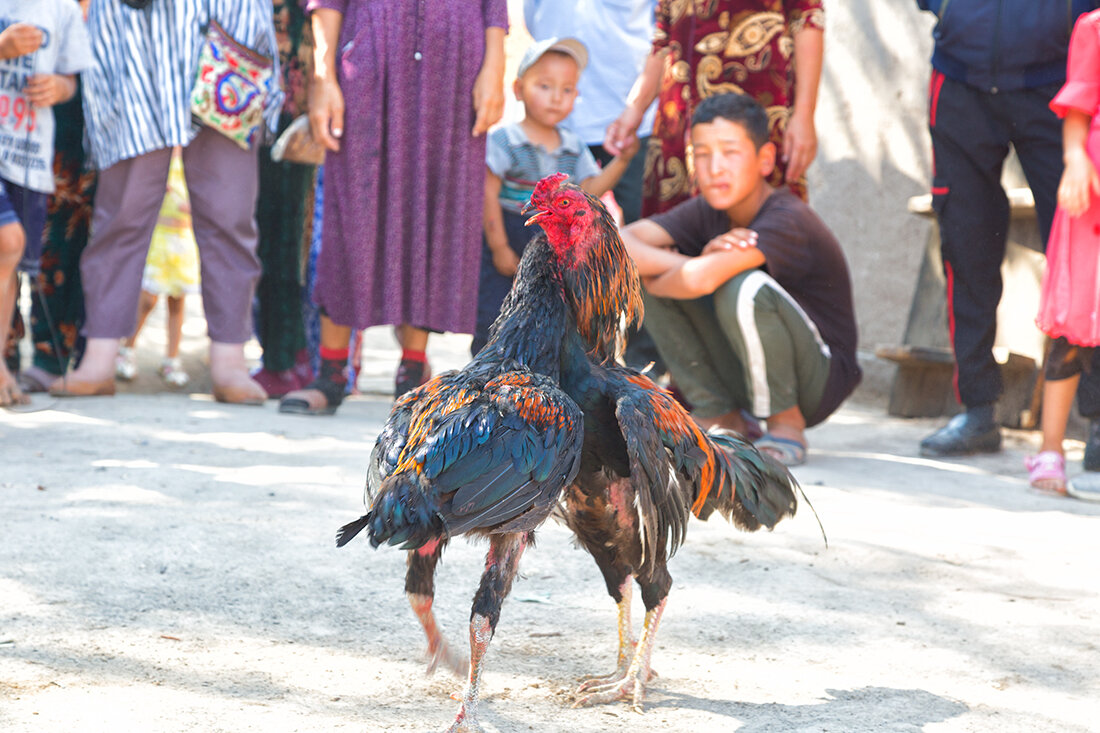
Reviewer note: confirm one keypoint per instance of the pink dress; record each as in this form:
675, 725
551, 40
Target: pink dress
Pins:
1069, 302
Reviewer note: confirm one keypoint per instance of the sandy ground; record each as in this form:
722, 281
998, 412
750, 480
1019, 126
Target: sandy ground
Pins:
167, 564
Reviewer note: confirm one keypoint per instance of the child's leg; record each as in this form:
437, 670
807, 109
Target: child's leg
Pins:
11, 249
1057, 403
175, 324
146, 305
1062, 371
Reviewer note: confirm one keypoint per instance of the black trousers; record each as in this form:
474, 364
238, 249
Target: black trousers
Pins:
971, 133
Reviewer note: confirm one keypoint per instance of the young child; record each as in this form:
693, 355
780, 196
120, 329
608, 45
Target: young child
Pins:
1070, 297
748, 295
42, 46
519, 154
172, 270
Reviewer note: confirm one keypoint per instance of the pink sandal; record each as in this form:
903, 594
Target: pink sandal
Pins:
1050, 467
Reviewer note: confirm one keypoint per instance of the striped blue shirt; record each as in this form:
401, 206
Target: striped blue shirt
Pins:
519, 163
137, 92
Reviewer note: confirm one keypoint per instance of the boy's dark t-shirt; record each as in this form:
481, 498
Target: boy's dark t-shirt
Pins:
803, 256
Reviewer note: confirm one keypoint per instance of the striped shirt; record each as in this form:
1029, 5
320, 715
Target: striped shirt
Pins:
137, 92
519, 163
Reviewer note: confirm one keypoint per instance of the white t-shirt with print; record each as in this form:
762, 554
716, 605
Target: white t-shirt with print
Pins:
26, 132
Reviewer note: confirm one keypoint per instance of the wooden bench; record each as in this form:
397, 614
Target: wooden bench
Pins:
923, 385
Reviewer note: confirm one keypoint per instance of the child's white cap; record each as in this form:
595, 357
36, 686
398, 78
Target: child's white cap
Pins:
569, 46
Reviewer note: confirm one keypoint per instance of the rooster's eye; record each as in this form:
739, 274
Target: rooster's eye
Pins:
562, 203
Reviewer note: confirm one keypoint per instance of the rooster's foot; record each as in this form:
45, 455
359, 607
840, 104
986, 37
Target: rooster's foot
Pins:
442, 655
465, 724
631, 687
593, 681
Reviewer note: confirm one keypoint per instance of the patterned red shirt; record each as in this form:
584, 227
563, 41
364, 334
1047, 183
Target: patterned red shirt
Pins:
718, 46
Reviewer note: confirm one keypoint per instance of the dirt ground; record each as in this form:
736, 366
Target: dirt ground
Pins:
167, 564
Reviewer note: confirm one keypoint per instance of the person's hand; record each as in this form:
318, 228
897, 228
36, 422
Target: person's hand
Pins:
799, 144
1079, 180
505, 261
488, 97
736, 238
46, 90
630, 149
326, 112
623, 132
19, 39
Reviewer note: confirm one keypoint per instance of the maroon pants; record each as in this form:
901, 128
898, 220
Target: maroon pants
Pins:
222, 183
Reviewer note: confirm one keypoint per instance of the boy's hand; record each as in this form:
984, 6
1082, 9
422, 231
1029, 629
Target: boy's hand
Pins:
19, 40
737, 238
631, 148
505, 260
623, 132
1079, 180
46, 90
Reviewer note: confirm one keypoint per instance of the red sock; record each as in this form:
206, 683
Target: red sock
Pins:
421, 356
335, 354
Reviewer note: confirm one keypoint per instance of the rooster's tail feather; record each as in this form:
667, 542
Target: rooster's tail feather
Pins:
763, 489
346, 533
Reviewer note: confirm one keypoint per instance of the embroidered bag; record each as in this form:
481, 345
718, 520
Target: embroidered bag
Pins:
230, 87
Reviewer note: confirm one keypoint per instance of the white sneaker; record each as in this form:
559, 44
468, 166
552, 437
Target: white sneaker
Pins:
1085, 486
171, 371
125, 366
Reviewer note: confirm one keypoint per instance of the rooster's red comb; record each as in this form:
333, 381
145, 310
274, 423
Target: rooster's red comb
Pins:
549, 184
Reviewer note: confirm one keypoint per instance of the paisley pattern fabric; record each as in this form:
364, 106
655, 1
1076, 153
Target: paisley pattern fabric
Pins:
716, 46
68, 222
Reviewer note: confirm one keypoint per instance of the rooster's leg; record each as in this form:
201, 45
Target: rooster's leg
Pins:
626, 640
631, 685
420, 589
496, 582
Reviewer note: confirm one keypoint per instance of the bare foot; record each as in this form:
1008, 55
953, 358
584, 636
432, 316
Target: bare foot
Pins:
229, 372
10, 394
730, 421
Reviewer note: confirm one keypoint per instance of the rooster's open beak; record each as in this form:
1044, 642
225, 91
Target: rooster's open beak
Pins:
539, 213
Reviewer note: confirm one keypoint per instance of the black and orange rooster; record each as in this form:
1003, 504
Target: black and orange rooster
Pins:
646, 466
487, 450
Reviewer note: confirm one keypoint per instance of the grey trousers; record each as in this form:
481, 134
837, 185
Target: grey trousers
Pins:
749, 346
222, 182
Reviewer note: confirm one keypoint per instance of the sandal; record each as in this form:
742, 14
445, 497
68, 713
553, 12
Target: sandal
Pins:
331, 391
171, 371
35, 379
411, 373
125, 366
1046, 472
786, 451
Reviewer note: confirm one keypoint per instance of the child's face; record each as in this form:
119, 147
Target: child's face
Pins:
728, 167
549, 88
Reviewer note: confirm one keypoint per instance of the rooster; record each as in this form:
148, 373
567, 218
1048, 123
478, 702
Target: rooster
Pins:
486, 451
646, 467
542, 413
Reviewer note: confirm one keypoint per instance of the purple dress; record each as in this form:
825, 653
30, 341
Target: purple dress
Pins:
403, 197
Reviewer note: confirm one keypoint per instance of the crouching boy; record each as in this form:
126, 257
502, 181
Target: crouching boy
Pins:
748, 295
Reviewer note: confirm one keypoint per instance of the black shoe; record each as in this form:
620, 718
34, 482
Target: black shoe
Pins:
1092, 446
965, 434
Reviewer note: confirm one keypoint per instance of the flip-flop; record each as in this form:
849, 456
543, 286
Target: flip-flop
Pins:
786, 451
294, 405
30, 381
